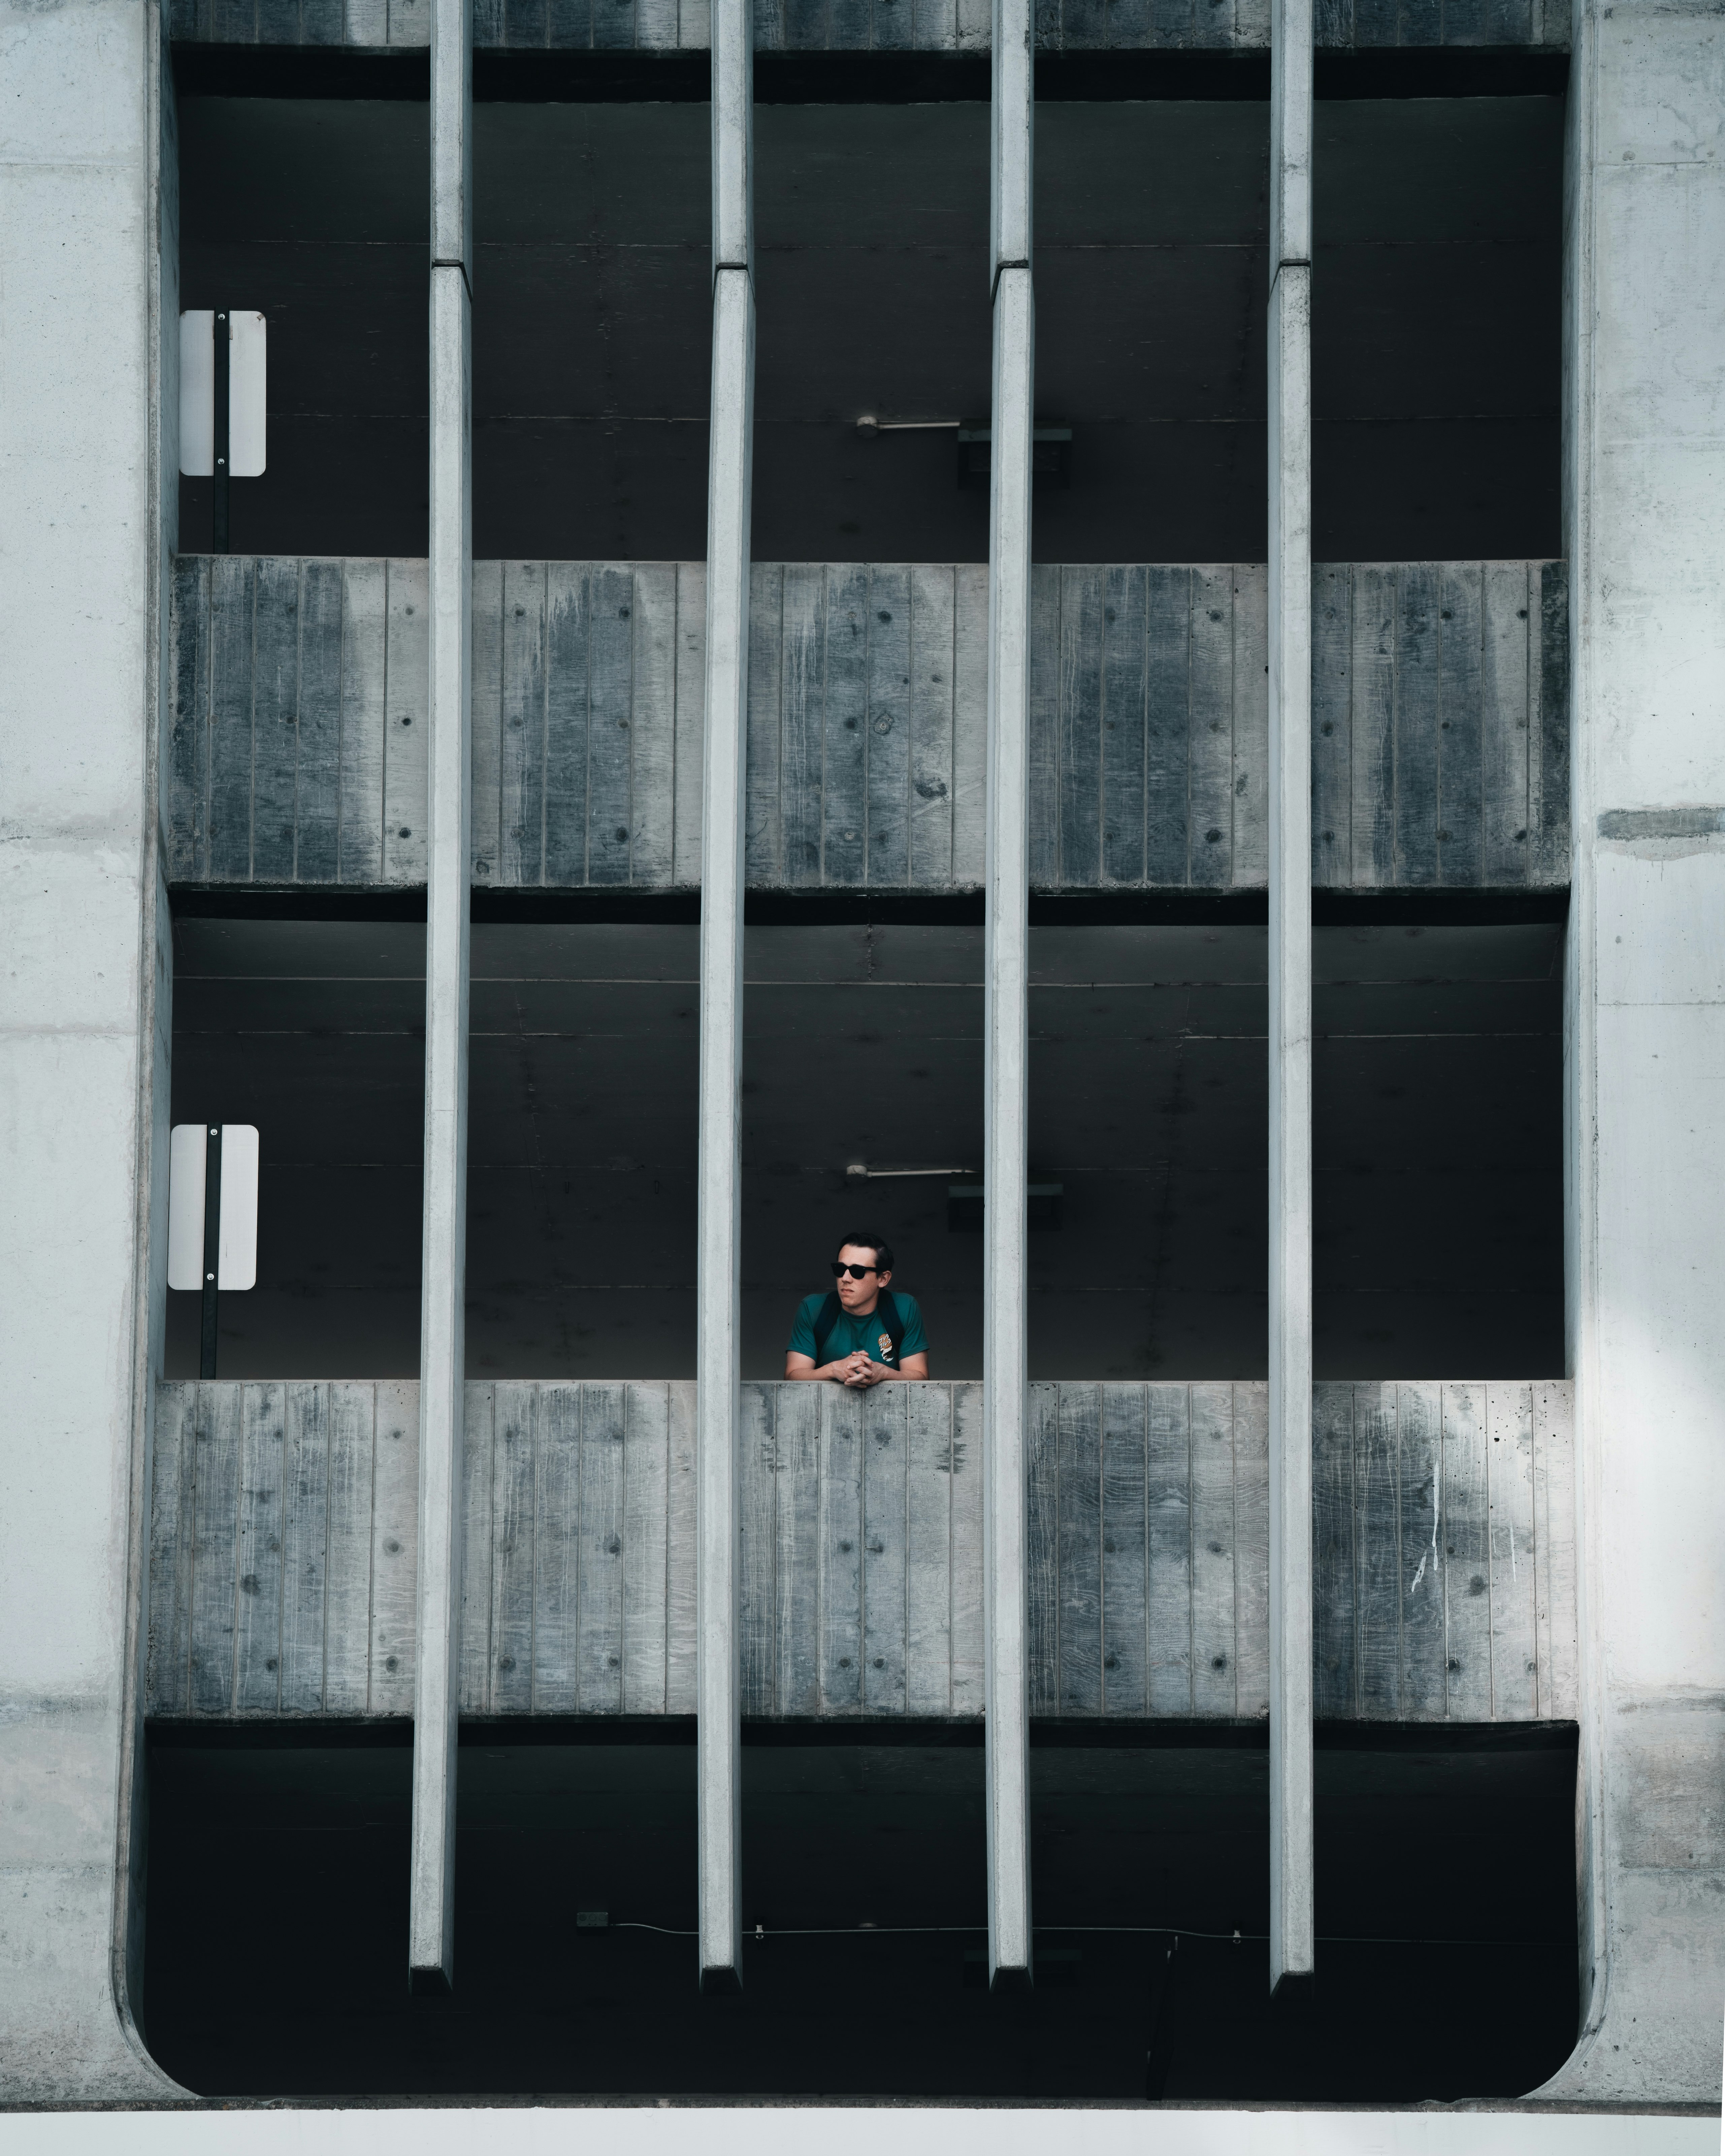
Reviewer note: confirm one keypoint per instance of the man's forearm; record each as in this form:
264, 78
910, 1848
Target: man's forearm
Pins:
853, 1370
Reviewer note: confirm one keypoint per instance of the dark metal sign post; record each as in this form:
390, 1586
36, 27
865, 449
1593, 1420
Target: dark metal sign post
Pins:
224, 406
223, 335
212, 1232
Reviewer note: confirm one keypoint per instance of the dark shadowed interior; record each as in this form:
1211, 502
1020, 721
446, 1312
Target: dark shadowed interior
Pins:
1445, 1853
1439, 1230
1435, 326
1451, 1975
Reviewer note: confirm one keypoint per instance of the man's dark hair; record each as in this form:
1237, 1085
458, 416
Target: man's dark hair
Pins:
868, 1239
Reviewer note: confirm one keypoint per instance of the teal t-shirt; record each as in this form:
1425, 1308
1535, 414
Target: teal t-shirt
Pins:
850, 1334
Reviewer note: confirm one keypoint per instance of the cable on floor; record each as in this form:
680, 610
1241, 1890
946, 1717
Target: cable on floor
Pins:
761, 1933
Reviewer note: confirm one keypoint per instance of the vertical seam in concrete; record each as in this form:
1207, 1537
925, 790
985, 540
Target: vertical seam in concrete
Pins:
952, 1489
586, 822
206, 578
381, 801
866, 821
124, 1936
1492, 1604
371, 1540
341, 719
1192, 1548
1440, 1555
328, 1393
1395, 1456
624, 1631
1186, 677
1580, 457
238, 1553
1395, 726
634, 631
298, 692
545, 721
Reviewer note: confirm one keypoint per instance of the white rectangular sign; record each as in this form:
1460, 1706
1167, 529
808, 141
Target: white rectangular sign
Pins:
247, 353
185, 1205
237, 1264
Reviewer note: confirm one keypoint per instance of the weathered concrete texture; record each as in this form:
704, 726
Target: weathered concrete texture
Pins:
1646, 1025
284, 1551
1440, 759
78, 586
884, 26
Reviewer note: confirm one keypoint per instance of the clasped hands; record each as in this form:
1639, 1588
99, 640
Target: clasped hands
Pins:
857, 1371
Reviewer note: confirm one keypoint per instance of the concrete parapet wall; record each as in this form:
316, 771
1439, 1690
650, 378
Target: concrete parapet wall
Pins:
870, 25
297, 738
282, 1554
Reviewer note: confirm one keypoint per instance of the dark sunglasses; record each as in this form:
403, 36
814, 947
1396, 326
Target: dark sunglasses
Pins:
856, 1272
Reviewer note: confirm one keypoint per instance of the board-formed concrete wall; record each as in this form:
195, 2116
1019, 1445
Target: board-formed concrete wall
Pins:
297, 743
83, 1015
282, 1551
870, 25
1646, 1034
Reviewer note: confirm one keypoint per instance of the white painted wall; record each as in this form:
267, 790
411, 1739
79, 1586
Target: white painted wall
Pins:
80, 534
1645, 493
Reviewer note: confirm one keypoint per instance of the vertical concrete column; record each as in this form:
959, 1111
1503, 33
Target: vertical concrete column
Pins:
442, 1320
1644, 461
718, 1695
89, 403
1007, 972
1291, 1911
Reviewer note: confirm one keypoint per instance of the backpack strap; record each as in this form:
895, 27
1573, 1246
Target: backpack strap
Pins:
825, 1318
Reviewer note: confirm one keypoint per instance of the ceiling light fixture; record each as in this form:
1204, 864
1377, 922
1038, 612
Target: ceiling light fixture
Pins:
869, 425
861, 1168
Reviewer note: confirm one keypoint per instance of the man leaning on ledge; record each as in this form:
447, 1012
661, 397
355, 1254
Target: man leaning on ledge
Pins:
860, 1333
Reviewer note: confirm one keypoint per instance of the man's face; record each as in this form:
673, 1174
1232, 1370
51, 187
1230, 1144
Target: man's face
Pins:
853, 1294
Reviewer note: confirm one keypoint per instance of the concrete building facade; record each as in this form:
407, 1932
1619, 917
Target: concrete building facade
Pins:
1091, 639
